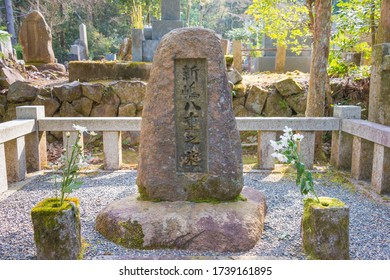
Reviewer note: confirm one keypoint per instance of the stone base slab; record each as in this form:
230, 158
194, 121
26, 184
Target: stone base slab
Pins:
222, 227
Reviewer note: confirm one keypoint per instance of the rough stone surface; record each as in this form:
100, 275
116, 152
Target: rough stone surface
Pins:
276, 106
129, 91
8, 76
21, 92
93, 91
51, 104
288, 86
108, 107
68, 92
325, 229
36, 40
127, 110
67, 110
223, 227
157, 176
57, 230
256, 99
234, 76
125, 49
297, 102
51, 67
85, 71
83, 106
240, 90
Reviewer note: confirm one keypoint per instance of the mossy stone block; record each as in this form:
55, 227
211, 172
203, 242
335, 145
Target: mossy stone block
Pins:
57, 229
325, 229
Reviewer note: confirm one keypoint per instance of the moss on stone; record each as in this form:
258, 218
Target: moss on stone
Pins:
325, 232
133, 236
229, 60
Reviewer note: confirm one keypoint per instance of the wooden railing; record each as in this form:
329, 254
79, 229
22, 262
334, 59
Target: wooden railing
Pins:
358, 145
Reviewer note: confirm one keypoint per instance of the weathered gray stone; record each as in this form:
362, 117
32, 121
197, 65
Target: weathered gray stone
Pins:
8, 76
237, 55
362, 158
276, 106
149, 47
108, 106
325, 229
257, 96
83, 106
21, 92
288, 86
84, 38
240, 90
125, 49
225, 46
67, 110
297, 102
127, 110
379, 105
219, 166
68, 92
52, 67
93, 91
129, 91
51, 104
241, 111
224, 227
137, 36
238, 101
162, 27
170, 10
36, 40
234, 76
381, 169
57, 233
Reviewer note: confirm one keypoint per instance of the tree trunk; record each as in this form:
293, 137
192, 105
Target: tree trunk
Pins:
383, 35
10, 20
280, 60
319, 89
372, 22
188, 13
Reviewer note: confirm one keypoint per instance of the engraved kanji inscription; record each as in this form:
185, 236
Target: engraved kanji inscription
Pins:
191, 115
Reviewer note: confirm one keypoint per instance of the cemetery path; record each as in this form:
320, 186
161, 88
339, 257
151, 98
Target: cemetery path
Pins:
369, 220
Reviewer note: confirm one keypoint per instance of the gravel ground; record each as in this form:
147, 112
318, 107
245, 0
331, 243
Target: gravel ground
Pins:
369, 220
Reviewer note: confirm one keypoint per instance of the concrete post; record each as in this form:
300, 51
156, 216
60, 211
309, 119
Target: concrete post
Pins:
341, 154
16, 159
380, 179
83, 36
362, 158
69, 140
137, 36
36, 154
237, 55
264, 149
306, 148
112, 146
3, 170
225, 46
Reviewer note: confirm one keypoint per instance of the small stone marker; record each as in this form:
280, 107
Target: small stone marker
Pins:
190, 147
36, 40
84, 38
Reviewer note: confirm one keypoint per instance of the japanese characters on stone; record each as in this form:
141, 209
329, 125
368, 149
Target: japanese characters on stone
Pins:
191, 115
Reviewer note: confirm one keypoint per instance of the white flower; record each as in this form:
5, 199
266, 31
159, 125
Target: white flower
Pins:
276, 145
80, 129
93, 133
297, 137
67, 134
284, 141
280, 157
287, 130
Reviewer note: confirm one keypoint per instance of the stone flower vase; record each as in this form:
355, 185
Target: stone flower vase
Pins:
57, 229
325, 229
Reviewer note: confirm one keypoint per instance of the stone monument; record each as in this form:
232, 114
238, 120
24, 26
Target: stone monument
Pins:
190, 156
145, 43
36, 40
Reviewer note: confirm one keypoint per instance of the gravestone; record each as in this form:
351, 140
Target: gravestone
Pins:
197, 151
79, 50
36, 40
190, 156
83, 38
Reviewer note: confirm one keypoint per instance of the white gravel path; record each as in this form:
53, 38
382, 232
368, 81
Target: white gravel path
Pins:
369, 220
